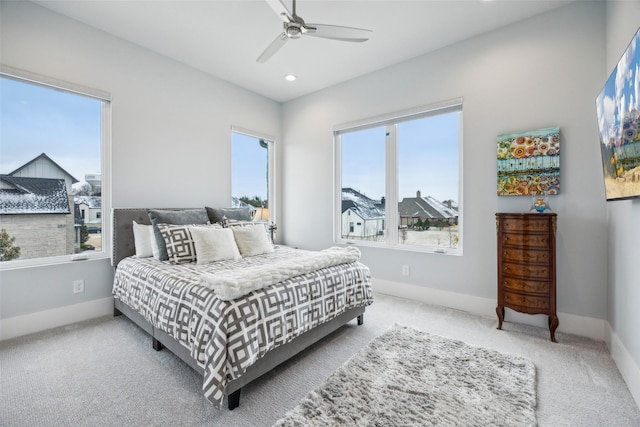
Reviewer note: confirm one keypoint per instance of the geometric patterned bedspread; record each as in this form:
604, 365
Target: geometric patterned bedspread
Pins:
226, 337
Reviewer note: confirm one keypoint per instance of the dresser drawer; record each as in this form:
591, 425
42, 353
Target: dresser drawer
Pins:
526, 286
540, 224
526, 271
525, 255
527, 301
526, 240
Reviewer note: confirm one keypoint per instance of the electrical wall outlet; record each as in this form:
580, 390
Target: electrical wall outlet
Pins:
78, 286
405, 270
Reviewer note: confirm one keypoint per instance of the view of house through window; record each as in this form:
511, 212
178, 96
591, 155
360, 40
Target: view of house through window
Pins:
50, 171
399, 181
251, 174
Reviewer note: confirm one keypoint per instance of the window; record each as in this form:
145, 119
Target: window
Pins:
253, 173
399, 176
53, 154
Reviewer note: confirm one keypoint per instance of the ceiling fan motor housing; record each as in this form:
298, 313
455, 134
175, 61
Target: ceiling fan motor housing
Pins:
293, 30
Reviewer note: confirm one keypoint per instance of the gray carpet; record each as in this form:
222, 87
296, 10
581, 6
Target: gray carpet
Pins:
407, 377
104, 373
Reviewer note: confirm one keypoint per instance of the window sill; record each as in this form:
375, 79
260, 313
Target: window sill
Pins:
403, 248
43, 262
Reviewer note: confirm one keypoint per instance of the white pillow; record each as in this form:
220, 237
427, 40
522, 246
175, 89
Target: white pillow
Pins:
213, 244
144, 240
252, 240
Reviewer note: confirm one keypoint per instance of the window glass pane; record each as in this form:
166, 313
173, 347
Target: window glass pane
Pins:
50, 166
363, 184
398, 180
250, 173
428, 181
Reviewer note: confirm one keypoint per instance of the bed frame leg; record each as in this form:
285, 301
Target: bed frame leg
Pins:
361, 319
157, 345
233, 400
116, 312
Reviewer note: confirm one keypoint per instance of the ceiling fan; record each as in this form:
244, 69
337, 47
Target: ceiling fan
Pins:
294, 27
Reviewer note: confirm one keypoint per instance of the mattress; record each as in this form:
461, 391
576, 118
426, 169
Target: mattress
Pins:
226, 337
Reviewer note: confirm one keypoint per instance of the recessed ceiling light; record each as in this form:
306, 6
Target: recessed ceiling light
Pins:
290, 77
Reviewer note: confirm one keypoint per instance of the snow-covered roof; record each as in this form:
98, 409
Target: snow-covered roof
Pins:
427, 208
93, 202
360, 204
22, 195
237, 203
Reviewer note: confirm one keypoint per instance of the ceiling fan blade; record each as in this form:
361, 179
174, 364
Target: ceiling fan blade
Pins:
336, 32
280, 9
272, 48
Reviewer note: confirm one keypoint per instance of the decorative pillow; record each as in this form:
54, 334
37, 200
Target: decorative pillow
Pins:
234, 223
179, 242
217, 214
252, 240
144, 239
178, 217
214, 244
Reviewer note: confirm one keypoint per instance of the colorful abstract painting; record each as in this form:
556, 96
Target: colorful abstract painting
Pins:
529, 162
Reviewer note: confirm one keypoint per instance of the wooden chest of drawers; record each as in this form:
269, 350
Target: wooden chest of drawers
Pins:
527, 265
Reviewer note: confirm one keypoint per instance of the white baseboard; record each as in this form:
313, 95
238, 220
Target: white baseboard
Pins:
570, 323
48, 319
629, 370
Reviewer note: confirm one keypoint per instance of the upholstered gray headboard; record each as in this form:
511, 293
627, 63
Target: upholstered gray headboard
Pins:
123, 244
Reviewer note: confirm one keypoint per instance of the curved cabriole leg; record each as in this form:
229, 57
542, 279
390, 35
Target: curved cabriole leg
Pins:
553, 325
500, 313
233, 400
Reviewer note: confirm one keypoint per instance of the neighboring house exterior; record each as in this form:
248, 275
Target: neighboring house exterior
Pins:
426, 209
43, 167
237, 203
36, 211
37, 208
362, 217
90, 208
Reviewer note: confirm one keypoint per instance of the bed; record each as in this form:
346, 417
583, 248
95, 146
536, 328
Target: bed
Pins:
231, 342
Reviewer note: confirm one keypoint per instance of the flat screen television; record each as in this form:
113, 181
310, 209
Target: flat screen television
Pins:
618, 110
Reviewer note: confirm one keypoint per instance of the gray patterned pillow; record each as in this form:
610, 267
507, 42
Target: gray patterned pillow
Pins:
179, 242
174, 216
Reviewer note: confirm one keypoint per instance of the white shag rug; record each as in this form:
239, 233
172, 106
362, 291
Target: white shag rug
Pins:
410, 378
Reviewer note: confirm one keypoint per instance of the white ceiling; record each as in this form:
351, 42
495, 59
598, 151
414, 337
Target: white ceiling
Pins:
225, 37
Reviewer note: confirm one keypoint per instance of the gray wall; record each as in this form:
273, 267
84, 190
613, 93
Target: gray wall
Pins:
171, 134
624, 216
545, 71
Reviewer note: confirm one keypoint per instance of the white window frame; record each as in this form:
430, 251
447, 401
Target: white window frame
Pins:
390, 122
105, 97
271, 165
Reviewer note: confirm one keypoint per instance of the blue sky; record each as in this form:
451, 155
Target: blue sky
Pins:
248, 167
36, 120
427, 158
621, 92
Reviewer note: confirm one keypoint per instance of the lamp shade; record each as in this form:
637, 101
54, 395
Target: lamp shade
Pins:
262, 214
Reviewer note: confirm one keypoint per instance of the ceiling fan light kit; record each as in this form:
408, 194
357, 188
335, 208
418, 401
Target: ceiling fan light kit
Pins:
294, 27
